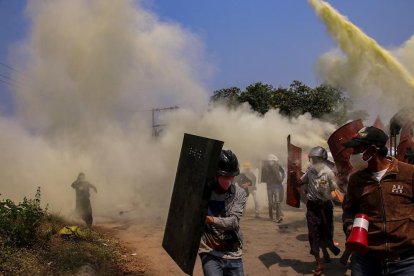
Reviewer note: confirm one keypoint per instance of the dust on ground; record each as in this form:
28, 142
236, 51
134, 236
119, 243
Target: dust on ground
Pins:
269, 248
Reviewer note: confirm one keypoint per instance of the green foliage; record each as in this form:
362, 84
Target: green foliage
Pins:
259, 96
229, 96
324, 102
50, 254
19, 222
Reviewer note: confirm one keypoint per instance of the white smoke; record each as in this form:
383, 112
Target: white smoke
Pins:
405, 54
97, 60
90, 71
369, 84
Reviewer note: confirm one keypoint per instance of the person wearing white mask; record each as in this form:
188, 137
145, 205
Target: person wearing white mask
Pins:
384, 191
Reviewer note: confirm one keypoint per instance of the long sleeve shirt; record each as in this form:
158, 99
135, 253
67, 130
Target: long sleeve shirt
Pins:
223, 238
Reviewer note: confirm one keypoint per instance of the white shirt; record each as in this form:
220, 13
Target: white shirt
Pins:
379, 175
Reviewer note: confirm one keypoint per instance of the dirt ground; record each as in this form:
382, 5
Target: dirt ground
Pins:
269, 248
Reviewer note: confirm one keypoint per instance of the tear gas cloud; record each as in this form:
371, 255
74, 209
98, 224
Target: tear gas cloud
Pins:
373, 76
88, 71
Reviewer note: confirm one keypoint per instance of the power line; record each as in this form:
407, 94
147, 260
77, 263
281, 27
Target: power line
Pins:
8, 78
9, 67
8, 83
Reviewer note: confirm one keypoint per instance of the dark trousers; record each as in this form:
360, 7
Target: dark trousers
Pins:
274, 200
84, 210
319, 216
368, 266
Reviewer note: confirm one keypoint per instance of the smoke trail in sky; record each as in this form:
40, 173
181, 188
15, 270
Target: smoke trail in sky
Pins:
367, 71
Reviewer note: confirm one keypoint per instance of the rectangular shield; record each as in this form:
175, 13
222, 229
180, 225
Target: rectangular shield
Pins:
294, 174
196, 170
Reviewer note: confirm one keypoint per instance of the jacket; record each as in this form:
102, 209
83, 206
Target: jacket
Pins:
389, 205
223, 239
273, 174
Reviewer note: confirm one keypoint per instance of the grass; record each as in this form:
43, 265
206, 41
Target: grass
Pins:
52, 254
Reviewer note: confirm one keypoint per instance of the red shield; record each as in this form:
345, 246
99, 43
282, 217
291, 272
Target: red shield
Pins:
294, 169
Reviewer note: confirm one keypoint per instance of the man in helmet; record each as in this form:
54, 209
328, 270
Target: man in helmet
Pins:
273, 175
83, 203
318, 183
384, 191
221, 244
247, 180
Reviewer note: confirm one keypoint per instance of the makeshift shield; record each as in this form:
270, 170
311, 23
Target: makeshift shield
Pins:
406, 144
340, 154
189, 202
294, 174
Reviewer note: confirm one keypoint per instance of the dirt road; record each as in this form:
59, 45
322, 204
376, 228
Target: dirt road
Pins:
270, 248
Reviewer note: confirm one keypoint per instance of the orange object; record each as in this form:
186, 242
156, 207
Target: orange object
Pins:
209, 220
337, 196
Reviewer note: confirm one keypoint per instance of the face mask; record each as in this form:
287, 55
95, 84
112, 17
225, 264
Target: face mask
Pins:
370, 157
225, 182
357, 162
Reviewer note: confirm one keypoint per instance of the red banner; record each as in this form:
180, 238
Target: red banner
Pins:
294, 168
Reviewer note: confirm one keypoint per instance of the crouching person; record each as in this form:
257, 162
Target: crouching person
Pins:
221, 244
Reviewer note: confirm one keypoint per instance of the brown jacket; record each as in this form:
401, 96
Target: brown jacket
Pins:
389, 205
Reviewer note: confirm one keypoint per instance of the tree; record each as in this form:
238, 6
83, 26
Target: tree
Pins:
324, 102
229, 96
259, 96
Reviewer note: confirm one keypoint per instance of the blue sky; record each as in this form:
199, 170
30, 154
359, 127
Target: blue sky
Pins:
274, 41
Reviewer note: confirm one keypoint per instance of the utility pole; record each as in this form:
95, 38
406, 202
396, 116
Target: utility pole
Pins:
156, 126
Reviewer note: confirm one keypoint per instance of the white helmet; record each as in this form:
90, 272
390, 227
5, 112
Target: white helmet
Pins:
272, 157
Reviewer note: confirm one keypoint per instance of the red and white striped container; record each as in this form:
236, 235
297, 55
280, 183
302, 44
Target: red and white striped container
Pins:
358, 240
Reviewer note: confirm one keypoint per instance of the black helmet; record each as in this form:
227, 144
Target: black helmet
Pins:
228, 164
318, 152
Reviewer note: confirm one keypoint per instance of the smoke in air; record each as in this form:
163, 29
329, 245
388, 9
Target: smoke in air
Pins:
371, 74
89, 71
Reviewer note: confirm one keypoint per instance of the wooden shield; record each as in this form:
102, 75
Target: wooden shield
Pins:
294, 173
196, 170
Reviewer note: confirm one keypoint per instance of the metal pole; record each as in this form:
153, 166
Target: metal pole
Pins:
154, 131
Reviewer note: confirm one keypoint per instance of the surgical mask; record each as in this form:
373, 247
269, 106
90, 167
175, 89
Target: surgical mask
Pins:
225, 181
357, 162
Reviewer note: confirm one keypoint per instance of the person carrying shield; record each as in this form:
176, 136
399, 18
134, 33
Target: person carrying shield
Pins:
319, 183
221, 243
384, 192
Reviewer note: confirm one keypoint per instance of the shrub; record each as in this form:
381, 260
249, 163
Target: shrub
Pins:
19, 222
